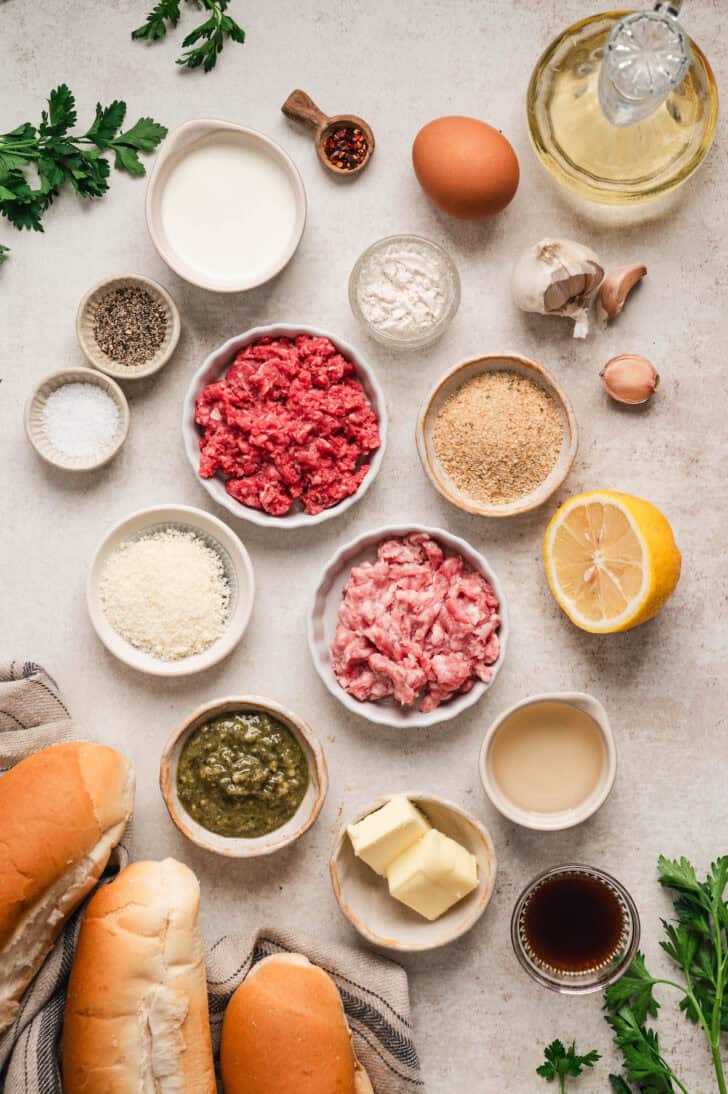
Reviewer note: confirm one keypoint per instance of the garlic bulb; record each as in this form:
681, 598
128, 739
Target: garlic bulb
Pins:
630, 378
558, 277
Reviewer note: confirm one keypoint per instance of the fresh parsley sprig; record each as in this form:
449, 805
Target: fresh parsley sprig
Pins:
211, 34
561, 1062
698, 944
62, 158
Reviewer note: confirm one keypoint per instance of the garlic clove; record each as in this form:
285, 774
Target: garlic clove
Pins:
558, 277
630, 379
616, 287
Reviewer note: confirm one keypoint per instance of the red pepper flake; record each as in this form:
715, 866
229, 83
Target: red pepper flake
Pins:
346, 148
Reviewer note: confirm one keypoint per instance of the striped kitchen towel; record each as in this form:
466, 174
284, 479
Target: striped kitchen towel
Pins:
374, 990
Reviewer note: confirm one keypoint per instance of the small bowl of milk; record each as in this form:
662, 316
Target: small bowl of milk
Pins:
226, 206
550, 761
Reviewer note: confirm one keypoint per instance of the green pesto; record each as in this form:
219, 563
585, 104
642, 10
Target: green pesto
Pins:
242, 774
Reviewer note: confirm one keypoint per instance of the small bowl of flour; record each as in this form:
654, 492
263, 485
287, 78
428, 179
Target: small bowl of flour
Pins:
405, 290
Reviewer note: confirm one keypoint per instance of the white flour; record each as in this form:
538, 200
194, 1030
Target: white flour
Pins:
404, 288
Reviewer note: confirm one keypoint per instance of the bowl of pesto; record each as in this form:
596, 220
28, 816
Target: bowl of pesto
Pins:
243, 776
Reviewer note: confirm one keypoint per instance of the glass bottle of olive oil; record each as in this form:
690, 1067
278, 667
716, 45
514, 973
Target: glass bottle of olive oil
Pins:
618, 164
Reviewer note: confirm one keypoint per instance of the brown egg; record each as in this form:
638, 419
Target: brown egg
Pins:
466, 167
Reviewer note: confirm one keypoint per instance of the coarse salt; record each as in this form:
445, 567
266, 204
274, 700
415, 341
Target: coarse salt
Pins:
166, 593
80, 419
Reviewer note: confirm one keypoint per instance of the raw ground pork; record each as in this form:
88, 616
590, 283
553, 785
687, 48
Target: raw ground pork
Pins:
289, 421
415, 625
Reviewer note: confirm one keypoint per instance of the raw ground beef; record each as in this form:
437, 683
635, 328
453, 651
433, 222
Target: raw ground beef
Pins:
416, 625
289, 421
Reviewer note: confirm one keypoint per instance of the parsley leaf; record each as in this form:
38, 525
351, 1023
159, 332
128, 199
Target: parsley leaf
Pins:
108, 121
697, 943
4, 251
618, 1085
61, 113
210, 34
635, 990
61, 158
561, 1062
156, 23
641, 1053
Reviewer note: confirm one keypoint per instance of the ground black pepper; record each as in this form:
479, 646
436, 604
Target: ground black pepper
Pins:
346, 148
130, 325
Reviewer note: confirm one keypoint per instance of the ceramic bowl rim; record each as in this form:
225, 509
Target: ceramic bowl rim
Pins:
90, 376
486, 889
294, 176
126, 653
545, 379
369, 710
240, 847
191, 435
564, 819
122, 372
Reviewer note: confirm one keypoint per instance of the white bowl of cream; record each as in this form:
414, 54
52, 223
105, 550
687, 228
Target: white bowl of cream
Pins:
226, 206
550, 761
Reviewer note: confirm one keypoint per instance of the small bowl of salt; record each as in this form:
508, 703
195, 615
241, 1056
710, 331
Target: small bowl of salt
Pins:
405, 290
77, 419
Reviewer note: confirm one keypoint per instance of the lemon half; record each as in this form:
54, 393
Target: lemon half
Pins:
611, 560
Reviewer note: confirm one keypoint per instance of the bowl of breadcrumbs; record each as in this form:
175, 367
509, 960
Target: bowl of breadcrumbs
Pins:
497, 435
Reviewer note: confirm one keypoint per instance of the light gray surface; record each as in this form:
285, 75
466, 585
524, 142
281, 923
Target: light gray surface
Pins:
480, 1021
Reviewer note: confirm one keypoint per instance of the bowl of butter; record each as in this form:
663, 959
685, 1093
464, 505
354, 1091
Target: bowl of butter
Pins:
413, 871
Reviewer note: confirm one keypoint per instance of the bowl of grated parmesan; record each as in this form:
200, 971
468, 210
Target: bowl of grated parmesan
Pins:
170, 590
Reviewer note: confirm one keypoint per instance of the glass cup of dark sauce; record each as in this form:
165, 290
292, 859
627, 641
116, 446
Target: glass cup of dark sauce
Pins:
575, 929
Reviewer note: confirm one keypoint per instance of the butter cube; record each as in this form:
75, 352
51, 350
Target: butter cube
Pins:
433, 874
386, 833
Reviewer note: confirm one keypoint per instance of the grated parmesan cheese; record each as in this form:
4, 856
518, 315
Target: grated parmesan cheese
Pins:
166, 593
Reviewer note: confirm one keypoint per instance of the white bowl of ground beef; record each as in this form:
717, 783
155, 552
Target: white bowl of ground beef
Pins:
361, 647
271, 437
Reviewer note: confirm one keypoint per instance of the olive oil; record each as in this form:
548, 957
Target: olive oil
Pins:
573, 922
605, 162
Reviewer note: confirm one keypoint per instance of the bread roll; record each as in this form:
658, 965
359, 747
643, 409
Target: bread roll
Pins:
62, 811
285, 1032
136, 1017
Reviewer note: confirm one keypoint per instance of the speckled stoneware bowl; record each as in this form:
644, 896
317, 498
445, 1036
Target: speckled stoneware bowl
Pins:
215, 367
324, 612
363, 896
238, 571
447, 386
301, 820
86, 319
35, 421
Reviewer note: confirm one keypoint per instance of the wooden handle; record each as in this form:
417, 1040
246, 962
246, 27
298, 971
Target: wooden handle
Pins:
300, 107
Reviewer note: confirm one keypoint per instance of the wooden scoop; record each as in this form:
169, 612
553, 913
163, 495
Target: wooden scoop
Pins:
300, 107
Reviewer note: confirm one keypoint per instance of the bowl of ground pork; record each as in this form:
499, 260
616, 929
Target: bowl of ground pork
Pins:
408, 626
285, 426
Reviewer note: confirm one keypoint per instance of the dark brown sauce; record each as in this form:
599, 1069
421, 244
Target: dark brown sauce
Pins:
573, 923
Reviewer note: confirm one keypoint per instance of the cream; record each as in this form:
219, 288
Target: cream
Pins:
229, 210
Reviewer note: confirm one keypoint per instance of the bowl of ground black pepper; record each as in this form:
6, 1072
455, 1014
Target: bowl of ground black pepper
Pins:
128, 327
497, 435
